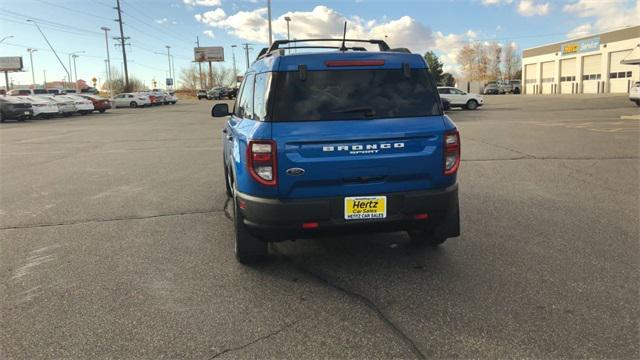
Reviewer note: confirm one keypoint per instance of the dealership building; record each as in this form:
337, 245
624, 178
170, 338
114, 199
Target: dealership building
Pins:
595, 64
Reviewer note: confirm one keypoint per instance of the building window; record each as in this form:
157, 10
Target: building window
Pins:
548, 80
613, 75
620, 75
591, 77
567, 78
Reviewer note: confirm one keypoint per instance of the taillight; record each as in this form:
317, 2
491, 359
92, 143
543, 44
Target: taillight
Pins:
261, 160
451, 152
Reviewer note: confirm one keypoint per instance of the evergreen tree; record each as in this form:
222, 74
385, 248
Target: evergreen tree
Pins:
435, 66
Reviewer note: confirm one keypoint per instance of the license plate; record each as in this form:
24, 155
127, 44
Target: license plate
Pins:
26, 113
365, 207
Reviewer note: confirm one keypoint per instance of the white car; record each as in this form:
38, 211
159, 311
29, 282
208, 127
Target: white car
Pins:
42, 107
634, 93
132, 100
66, 107
27, 92
170, 98
83, 106
459, 98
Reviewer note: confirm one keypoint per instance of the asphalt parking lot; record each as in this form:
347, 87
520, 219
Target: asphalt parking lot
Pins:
115, 242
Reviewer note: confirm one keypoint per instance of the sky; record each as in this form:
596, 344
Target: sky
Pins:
443, 26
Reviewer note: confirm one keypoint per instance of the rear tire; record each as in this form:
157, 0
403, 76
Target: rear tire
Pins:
638, 102
102, 111
472, 104
227, 182
426, 237
133, 105
248, 248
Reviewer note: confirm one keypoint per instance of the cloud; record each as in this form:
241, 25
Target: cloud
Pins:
323, 22
496, 2
605, 15
209, 33
202, 2
531, 8
211, 18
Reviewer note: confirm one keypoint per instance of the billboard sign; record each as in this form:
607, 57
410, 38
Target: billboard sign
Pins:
169, 82
10, 63
586, 45
212, 53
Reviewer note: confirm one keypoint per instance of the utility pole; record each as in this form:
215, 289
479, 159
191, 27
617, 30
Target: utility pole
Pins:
288, 20
173, 69
122, 43
33, 74
199, 63
269, 14
44, 81
246, 50
169, 58
210, 75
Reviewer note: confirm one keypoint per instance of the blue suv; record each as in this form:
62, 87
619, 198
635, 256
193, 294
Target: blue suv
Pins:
339, 141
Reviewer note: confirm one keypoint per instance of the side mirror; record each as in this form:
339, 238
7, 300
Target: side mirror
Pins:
220, 110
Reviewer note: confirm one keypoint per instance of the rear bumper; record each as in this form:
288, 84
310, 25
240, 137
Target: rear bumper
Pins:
275, 220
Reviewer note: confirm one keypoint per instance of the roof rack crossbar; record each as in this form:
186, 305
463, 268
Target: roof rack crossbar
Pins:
382, 45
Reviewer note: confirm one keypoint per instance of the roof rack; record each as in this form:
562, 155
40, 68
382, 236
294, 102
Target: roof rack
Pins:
382, 45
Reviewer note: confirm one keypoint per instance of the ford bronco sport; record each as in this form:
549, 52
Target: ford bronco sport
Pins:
339, 141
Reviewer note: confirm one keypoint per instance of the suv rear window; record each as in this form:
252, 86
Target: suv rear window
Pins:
352, 95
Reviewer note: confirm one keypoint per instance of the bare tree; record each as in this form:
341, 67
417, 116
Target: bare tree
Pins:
222, 76
189, 78
495, 61
511, 61
466, 59
482, 61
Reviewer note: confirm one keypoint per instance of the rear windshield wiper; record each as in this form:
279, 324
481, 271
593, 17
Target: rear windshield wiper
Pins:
366, 111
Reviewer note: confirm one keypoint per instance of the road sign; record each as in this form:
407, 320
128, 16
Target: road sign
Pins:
212, 53
10, 63
169, 82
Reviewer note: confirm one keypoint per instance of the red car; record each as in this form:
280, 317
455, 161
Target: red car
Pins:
99, 103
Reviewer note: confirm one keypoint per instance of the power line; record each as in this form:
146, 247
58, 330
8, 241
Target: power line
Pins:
73, 10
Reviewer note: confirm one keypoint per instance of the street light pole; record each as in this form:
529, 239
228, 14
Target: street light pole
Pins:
108, 61
44, 79
169, 58
288, 19
75, 70
235, 70
33, 74
69, 72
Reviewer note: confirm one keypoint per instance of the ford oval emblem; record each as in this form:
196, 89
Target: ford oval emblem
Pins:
295, 171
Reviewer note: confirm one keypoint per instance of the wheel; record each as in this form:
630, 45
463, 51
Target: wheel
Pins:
425, 237
638, 102
83, 113
248, 248
102, 111
227, 181
472, 104
516, 91
22, 118
133, 105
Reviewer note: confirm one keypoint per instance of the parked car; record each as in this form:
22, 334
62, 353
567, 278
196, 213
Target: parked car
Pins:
132, 100
83, 106
171, 97
159, 96
89, 90
231, 93
459, 98
491, 89
201, 94
215, 93
100, 104
15, 108
353, 141
634, 93
515, 86
42, 108
66, 107
27, 92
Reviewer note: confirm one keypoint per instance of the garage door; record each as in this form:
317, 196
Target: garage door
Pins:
591, 73
620, 75
548, 77
568, 79
530, 79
